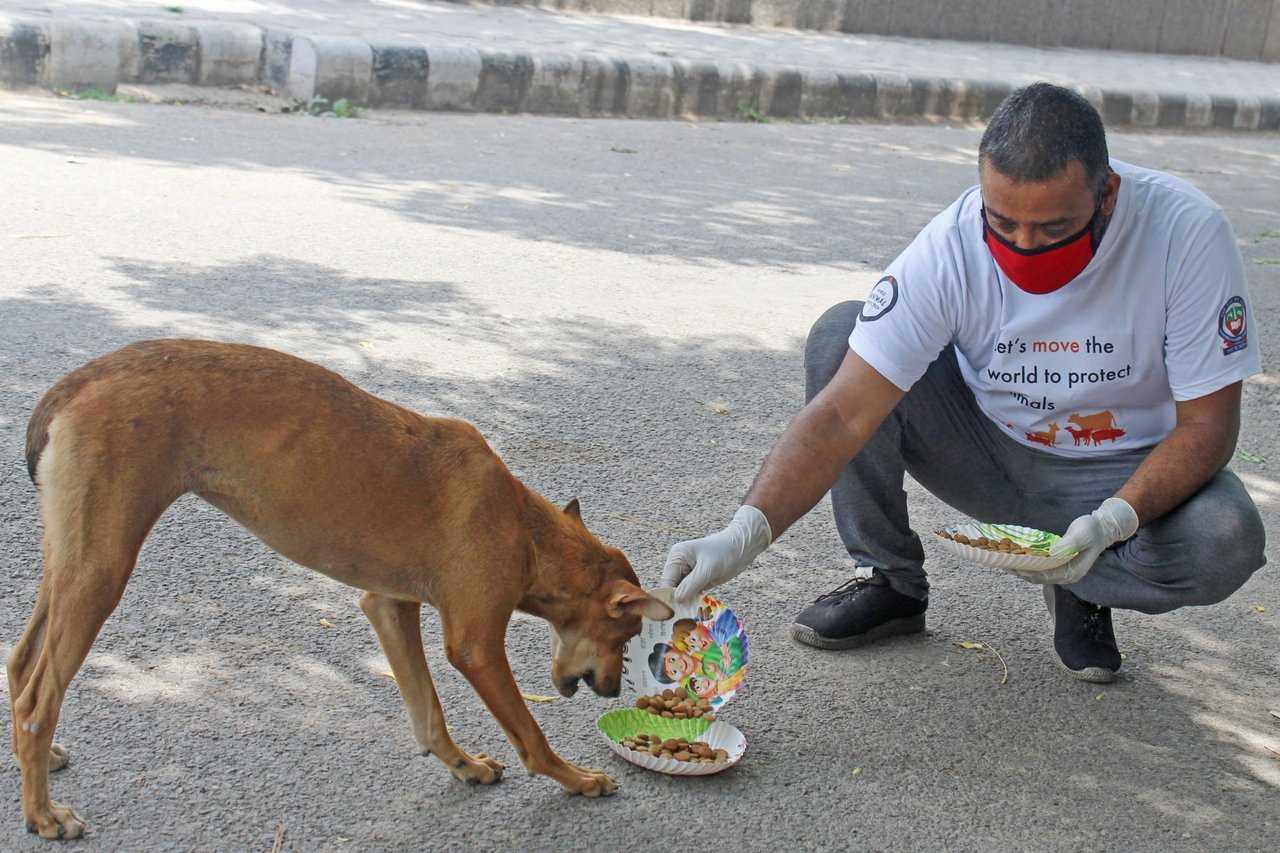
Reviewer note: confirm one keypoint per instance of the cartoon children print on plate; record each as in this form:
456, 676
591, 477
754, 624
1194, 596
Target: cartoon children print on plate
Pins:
702, 649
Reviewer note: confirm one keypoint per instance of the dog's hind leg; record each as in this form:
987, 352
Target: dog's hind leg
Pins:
35, 701
398, 626
19, 670
41, 668
94, 526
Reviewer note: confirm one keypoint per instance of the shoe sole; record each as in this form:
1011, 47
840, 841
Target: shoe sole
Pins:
1091, 674
810, 637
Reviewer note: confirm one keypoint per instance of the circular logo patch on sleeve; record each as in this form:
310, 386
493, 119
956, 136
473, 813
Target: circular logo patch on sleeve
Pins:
1231, 326
881, 299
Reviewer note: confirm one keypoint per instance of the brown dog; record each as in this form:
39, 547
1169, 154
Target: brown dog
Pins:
411, 509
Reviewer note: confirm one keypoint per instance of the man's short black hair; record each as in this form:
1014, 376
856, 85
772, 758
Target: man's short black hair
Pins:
1037, 131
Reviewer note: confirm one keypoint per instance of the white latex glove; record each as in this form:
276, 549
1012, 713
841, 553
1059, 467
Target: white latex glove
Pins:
700, 564
1089, 535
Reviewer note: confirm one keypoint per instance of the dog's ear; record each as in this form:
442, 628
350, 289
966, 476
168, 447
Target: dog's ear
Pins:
630, 600
572, 509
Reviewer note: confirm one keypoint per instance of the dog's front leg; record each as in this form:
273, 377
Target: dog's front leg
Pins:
398, 626
477, 650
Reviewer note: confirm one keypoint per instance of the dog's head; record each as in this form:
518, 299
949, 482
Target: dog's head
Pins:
590, 649
588, 641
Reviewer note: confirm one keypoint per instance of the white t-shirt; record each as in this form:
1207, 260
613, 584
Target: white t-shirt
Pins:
1159, 314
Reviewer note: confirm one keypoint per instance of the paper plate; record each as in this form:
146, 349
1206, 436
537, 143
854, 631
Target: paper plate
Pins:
626, 722
1028, 537
702, 648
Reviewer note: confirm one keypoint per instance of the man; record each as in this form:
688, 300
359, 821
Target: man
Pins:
1062, 348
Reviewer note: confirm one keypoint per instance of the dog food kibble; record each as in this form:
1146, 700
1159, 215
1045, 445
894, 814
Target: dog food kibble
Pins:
1003, 546
676, 704
678, 749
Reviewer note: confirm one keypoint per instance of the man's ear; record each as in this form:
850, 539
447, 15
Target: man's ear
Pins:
630, 600
572, 509
1110, 192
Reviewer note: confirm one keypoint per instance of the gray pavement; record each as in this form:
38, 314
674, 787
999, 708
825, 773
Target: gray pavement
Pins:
480, 58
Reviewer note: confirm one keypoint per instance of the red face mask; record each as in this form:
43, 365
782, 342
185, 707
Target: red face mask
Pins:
1047, 268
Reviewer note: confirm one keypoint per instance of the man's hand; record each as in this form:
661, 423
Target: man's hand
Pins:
700, 564
1089, 535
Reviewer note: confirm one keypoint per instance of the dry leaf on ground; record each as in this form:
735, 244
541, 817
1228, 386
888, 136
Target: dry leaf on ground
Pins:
965, 644
533, 697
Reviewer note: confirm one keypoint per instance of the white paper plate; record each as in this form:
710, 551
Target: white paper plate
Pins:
716, 658
630, 721
1039, 540
712, 660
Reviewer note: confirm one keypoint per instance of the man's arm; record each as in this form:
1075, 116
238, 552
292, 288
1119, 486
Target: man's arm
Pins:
803, 464
1199, 446
809, 455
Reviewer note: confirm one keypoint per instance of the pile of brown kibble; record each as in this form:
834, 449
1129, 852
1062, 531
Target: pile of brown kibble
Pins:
676, 704
677, 748
1004, 546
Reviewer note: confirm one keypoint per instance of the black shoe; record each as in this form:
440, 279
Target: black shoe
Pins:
857, 612
1083, 637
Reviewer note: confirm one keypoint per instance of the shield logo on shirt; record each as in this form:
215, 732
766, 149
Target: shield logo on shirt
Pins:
1231, 326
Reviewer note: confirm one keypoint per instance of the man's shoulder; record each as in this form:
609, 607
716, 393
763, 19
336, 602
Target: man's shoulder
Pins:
966, 206
955, 221
1156, 187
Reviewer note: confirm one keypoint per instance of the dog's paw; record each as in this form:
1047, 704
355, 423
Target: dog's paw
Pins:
58, 822
589, 782
58, 757
478, 769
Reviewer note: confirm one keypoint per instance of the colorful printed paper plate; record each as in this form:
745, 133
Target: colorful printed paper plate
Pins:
628, 722
702, 648
1027, 537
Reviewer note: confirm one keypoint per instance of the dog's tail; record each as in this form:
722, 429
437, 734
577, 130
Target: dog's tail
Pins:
50, 405
38, 430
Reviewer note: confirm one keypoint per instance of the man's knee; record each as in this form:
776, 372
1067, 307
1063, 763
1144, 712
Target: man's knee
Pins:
1234, 549
1226, 539
827, 345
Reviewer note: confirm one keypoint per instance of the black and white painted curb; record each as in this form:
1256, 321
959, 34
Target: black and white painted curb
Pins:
101, 54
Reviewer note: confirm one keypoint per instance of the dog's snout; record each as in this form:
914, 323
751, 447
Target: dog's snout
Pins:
606, 687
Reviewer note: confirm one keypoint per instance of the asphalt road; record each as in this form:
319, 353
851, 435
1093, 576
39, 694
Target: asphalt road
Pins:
620, 306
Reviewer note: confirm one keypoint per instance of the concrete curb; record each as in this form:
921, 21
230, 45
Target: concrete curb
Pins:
78, 54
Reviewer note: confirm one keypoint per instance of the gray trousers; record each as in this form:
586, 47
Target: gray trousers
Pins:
1199, 553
